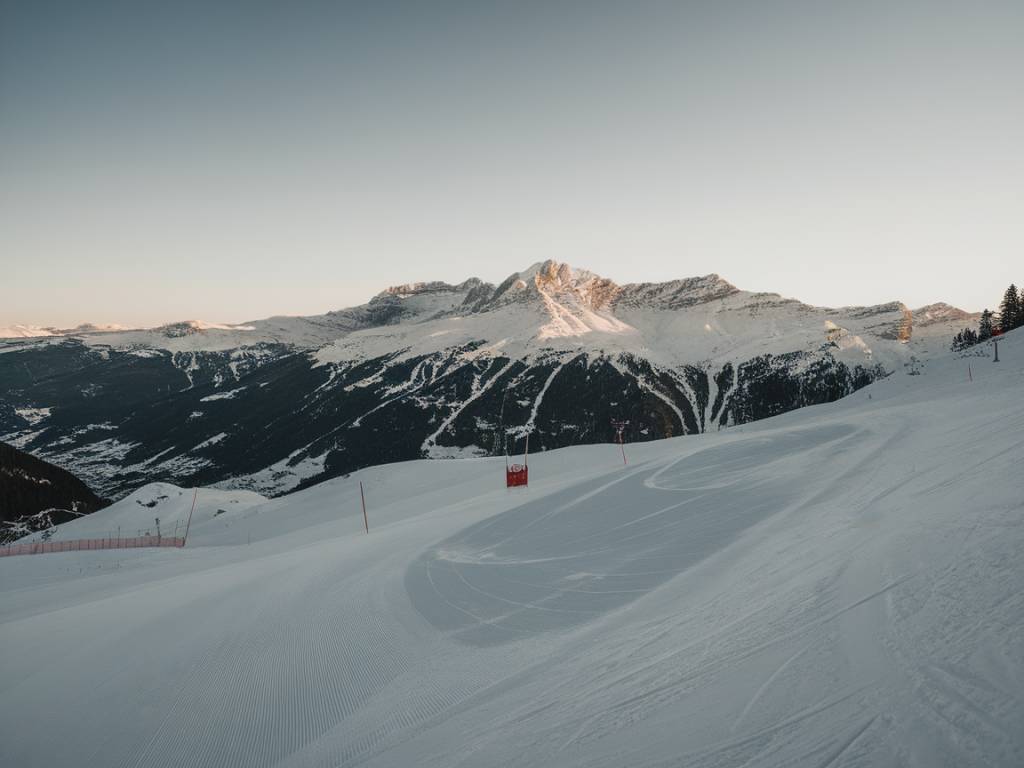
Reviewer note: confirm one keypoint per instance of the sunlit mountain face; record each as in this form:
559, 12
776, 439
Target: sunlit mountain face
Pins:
439, 370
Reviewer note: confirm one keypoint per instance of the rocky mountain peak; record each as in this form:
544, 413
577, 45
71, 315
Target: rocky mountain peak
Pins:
677, 294
941, 312
558, 281
417, 289
189, 327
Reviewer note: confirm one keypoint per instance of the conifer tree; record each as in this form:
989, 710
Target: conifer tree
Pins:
1010, 310
966, 338
985, 326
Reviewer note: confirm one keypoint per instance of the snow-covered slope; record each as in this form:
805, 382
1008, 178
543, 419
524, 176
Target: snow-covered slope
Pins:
35, 331
35, 495
25, 332
432, 369
838, 585
137, 513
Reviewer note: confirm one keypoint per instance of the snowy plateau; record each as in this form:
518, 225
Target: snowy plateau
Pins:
433, 370
837, 585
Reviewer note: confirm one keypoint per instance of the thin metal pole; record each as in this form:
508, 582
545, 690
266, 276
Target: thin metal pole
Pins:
194, 495
620, 427
362, 497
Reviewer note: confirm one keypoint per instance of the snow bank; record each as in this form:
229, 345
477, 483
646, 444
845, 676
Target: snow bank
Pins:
838, 585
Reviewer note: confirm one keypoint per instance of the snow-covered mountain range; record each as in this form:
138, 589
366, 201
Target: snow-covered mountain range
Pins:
439, 370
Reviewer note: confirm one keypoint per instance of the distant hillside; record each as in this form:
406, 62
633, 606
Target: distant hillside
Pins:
35, 495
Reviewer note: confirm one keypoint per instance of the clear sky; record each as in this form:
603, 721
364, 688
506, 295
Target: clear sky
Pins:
229, 161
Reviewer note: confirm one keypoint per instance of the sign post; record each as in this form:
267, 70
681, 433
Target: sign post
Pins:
518, 474
362, 498
620, 427
189, 523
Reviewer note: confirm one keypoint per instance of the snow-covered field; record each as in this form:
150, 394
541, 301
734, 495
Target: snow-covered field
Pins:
841, 585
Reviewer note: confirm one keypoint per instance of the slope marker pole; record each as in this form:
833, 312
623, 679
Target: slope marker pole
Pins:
620, 426
194, 496
362, 497
526, 458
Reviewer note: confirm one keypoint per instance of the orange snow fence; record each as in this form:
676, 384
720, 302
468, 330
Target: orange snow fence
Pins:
517, 474
78, 545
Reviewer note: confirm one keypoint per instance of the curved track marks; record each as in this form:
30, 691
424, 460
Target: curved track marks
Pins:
558, 562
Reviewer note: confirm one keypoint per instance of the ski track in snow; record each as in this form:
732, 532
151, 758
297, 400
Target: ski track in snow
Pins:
478, 390
540, 396
648, 387
680, 379
836, 586
727, 397
193, 365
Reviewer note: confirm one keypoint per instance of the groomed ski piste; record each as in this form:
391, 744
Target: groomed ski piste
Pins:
841, 585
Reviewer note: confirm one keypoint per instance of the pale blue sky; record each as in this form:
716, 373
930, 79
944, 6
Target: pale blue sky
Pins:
228, 162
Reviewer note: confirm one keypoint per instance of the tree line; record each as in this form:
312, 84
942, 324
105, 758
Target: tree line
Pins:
1010, 316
